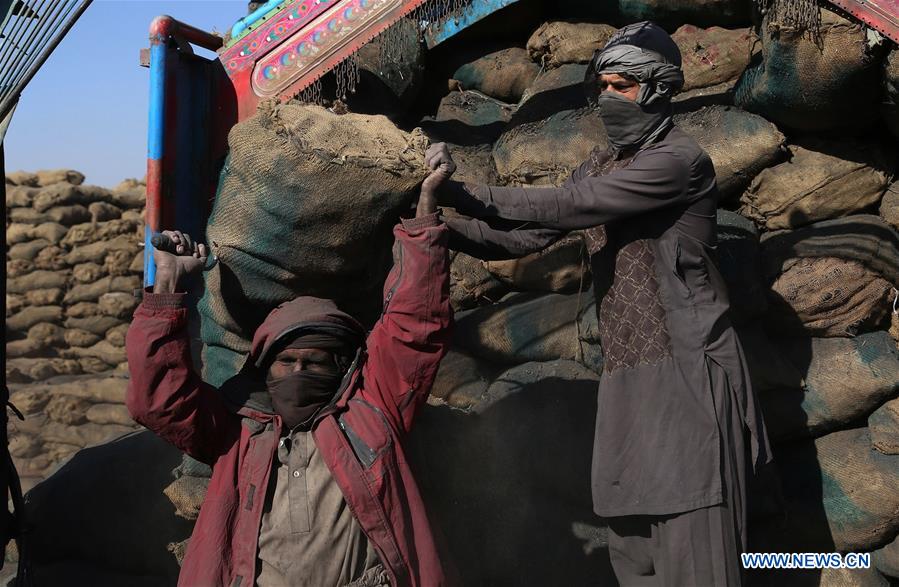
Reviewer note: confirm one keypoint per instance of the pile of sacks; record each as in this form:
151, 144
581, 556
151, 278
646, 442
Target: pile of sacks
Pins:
74, 258
808, 245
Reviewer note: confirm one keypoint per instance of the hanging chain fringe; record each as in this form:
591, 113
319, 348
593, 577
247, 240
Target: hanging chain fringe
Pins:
394, 47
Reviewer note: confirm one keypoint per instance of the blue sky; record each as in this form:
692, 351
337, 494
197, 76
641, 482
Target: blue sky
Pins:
87, 107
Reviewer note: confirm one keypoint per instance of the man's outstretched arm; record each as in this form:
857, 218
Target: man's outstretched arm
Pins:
165, 394
654, 180
408, 342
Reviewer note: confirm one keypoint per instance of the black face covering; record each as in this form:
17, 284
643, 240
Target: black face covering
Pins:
298, 397
629, 124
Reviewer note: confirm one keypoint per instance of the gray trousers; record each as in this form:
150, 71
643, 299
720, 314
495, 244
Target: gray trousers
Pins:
699, 548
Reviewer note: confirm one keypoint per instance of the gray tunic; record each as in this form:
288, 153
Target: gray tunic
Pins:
663, 316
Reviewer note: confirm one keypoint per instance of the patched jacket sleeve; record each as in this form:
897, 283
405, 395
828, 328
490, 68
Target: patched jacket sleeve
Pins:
413, 334
654, 180
165, 394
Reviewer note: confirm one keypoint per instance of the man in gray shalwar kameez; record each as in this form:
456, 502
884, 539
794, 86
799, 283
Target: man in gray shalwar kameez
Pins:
678, 428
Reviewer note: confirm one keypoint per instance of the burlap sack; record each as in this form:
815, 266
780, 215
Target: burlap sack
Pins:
561, 267
25, 370
118, 304
18, 268
24, 446
32, 315
805, 83
23, 178
547, 151
82, 310
67, 409
503, 75
25, 347
889, 205
88, 272
552, 91
884, 427
187, 494
822, 180
14, 304
471, 284
96, 252
30, 401
47, 177
36, 280
714, 55
828, 297
107, 389
467, 118
474, 164
103, 350
462, 380
109, 414
65, 215
740, 144
44, 297
305, 205
116, 335
47, 334
98, 325
558, 43
62, 194
91, 292
843, 381
52, 258
522, 327
864, 238
20, 196
18, 233
137, 263
102, 211
81, 338
91, 233
93, 365
838, 491
129, 198
27, 250
49, 231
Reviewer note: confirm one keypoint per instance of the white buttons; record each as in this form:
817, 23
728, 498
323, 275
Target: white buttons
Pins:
296, 473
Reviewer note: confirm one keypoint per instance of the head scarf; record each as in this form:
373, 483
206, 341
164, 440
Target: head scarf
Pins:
646, 53
305, 323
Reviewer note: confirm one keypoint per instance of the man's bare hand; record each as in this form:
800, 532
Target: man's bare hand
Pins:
442, 166
189, 259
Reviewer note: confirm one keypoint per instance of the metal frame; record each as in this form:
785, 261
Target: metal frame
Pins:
192, 108
27, 45
881, 15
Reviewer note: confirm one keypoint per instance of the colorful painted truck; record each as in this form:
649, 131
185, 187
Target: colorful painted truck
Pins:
278, 51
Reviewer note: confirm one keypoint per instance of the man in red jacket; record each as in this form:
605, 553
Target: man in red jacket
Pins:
310, 482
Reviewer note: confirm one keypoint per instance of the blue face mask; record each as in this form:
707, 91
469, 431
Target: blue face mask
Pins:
630, 125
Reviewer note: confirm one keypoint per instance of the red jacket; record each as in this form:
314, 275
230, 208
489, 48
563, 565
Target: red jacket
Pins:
360, 437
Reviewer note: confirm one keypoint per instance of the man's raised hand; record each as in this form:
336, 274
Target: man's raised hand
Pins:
442, 166
188, 259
